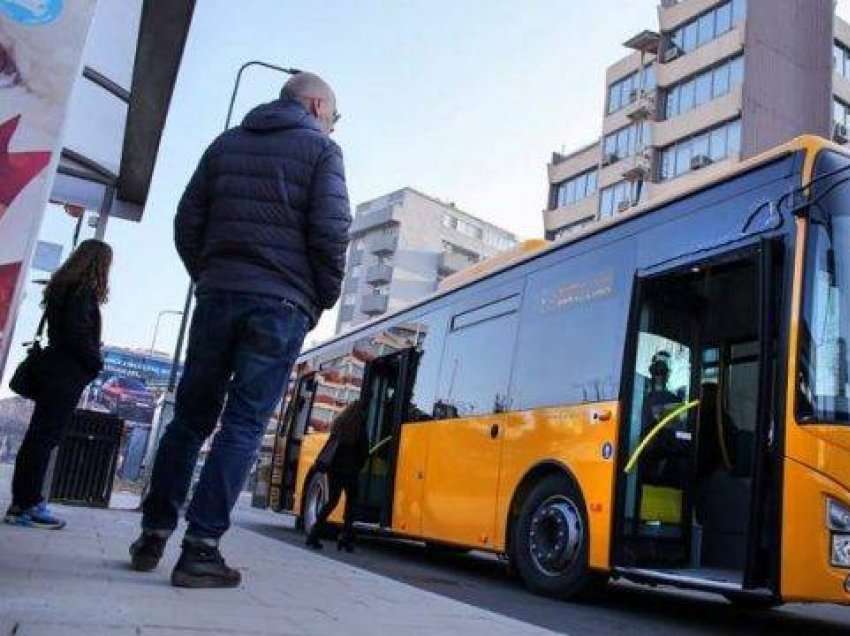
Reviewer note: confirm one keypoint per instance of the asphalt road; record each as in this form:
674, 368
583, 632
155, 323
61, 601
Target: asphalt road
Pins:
483, 581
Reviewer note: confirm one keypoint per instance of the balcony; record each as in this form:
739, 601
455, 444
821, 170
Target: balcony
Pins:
453, 262
373, 304
379, 274
382, 244
638, 167
364, 222
644, 106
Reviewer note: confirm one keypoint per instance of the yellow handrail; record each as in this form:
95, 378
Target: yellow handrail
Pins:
672, 415
379, 444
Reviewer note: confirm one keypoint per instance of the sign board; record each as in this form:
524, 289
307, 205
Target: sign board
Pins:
47, 257
41, 47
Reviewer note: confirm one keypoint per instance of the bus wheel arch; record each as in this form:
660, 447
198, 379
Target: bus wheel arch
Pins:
548, 536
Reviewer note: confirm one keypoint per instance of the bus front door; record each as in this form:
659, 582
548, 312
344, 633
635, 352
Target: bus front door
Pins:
288, 446
385, 394
692, 494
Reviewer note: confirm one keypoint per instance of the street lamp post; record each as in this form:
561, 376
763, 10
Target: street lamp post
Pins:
164, 312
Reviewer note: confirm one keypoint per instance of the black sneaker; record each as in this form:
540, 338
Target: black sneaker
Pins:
202, 565
146, 551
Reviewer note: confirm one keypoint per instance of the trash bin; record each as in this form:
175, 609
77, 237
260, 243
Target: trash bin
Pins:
86, 459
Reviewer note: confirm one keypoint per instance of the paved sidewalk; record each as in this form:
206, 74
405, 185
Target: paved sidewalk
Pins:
77, 581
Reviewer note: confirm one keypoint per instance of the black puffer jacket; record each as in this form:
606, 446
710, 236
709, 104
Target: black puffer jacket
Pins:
267, 210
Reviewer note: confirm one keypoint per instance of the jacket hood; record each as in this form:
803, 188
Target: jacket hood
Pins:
279, 115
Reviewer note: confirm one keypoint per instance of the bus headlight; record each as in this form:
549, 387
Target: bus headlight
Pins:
838, 521
837, 516
840, 551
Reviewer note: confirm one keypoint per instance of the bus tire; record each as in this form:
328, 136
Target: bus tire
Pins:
550, 541
315, 497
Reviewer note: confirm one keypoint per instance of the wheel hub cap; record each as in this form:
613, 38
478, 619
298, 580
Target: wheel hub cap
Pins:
555, 535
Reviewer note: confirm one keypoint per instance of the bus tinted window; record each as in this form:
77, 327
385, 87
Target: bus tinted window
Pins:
571, 339
476, 367
432, 328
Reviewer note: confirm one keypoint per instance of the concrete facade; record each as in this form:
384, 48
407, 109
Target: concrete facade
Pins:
707, 98
402, 245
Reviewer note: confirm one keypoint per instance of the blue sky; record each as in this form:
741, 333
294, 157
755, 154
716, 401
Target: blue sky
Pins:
463, 99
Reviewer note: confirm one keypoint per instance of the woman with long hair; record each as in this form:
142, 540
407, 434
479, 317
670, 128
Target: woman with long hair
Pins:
71, 360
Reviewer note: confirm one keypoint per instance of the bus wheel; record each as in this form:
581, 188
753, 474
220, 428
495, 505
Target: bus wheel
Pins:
317, 495
550, 540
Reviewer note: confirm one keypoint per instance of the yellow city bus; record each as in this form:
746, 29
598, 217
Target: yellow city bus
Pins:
664, 398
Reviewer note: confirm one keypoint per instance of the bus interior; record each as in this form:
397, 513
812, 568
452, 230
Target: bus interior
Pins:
687, 501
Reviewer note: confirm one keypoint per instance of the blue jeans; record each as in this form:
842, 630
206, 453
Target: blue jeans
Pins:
242, 347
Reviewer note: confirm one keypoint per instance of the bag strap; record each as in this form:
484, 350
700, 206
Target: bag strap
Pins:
41, 324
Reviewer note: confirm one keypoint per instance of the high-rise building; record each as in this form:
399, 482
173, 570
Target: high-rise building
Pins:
402, 245
717, 82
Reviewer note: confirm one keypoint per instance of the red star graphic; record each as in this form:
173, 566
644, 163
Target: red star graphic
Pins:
17, 169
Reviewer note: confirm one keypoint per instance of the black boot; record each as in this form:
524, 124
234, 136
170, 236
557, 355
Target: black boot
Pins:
201, 565
146, 551
345, 542
313, 541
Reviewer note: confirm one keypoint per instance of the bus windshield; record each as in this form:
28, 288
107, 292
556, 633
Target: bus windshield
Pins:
824, 355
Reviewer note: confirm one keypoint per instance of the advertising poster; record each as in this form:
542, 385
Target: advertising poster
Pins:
131, 383
41, 47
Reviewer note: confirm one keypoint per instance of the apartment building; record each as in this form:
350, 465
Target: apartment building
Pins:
716, 82
402, 245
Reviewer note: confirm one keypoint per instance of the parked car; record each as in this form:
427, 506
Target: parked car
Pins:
128, 398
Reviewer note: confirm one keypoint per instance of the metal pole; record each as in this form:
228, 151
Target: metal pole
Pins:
164, 312
77, 230
181, 336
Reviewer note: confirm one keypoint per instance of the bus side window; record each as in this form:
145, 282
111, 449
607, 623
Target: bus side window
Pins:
431, 330
478, 360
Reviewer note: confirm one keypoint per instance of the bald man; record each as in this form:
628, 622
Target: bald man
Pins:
262, 229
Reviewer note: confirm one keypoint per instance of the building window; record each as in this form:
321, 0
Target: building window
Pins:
356, 271
839, 111
624, 92
841, 59
498, 241
703, 88
575, 189
567, 230
349, 299
470, 230
625, 142
476, 371
707, 27
618, 196
695, 152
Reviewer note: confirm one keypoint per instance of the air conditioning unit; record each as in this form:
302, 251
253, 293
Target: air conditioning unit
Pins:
672, 53
609, 158
700, 161
839, 134
624, 205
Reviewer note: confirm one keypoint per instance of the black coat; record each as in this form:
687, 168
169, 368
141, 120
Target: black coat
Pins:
347, 448
267, 211
74, 330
